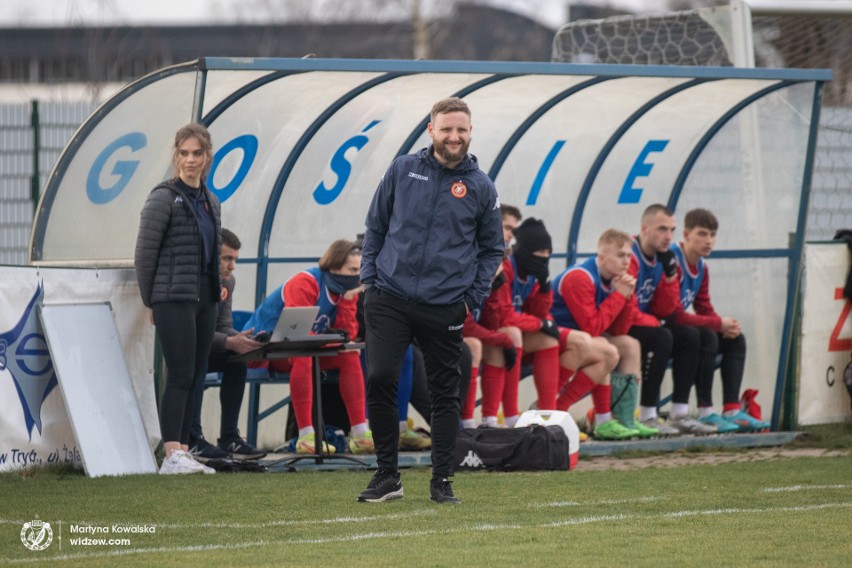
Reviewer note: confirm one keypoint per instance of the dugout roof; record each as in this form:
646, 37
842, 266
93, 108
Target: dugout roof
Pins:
300, 145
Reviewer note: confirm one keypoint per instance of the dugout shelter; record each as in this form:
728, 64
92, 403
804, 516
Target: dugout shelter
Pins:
300, 145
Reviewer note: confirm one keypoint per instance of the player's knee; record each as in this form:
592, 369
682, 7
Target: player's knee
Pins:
514, 334
475, 346
610, 356
709, 340
580, 343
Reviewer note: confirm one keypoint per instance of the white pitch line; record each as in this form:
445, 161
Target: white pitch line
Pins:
792, 488
158, 550
731, 511
587, 520
336, 520
267, 524
403, 534
649, 499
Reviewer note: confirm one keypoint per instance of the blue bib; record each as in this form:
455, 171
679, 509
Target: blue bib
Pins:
650, 274
690, 283
520, 290
560, 312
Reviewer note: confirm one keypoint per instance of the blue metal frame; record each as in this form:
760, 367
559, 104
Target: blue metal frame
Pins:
200, 88
711, 132
284, 174
46, 204
582, 198
730, 254
513, 68
226, 103
533, 118
794, 277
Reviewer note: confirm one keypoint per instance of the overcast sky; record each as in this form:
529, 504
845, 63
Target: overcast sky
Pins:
107, 12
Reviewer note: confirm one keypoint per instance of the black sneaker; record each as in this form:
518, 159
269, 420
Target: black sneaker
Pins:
441, 491
384, 486
202, 450
240, 449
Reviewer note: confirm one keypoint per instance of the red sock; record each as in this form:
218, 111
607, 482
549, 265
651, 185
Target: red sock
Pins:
565, 375
469, 404
510, 389
492, 382
546, 376
579, 387
728, 406
302, 391
602, 398
351, 386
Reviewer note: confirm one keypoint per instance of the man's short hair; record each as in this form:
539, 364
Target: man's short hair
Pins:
614, 237
511, 210
700, 218
229, 239
654, 209
450, 104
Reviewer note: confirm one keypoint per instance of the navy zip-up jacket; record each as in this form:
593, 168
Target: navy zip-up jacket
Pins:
434, 236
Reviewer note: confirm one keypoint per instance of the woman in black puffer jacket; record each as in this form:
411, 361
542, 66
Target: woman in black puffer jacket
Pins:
177, 266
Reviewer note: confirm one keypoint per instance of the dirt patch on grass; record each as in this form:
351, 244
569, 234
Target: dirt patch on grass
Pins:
681, 458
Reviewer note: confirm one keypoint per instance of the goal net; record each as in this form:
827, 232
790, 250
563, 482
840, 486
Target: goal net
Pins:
707, 37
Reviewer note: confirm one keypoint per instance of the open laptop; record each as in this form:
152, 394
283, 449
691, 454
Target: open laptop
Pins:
293, 331
294, 323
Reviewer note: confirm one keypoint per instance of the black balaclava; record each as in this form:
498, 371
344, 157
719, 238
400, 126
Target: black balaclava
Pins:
531, 236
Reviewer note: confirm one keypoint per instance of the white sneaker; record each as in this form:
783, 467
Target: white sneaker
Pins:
687, 425
181, 463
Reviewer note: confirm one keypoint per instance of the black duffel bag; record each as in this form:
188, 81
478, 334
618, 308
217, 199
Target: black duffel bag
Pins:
530, 448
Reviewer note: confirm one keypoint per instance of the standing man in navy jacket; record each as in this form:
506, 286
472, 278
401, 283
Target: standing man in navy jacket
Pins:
433, 241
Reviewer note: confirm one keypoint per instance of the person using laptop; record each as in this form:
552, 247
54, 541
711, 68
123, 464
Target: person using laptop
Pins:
226, 342
333, 286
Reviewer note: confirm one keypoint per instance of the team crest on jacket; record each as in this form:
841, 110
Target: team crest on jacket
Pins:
458, 189
223, 295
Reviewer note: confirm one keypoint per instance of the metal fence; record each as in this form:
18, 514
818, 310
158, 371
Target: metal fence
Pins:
32, 136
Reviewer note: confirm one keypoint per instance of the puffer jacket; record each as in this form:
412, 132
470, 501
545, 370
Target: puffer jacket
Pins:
169, 250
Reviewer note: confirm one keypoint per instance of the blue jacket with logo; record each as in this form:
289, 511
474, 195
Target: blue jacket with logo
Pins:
434, 235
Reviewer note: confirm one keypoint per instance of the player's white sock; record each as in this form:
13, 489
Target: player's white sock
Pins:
468, 423
490, 421
647, 413
679, 409
306, 430
359, 429
603, 418
705, 411
509, 422
403, 425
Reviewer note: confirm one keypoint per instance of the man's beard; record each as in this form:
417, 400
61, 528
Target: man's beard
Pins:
447, 155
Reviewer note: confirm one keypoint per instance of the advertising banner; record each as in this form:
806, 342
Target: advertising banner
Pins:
34, 426
826, 351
